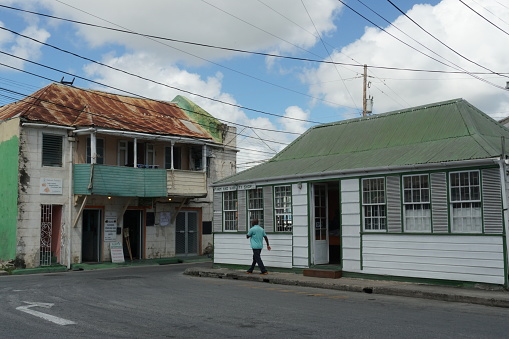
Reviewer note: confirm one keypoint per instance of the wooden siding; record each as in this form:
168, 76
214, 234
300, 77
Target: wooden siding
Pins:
300, 226
463, 258
350, 224
242, 211
492, 201
439, 217
268, 209
218, 212
232, 248
186, 183
393, 204
119, 181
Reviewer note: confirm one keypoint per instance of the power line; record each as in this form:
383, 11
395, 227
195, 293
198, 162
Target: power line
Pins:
473, 10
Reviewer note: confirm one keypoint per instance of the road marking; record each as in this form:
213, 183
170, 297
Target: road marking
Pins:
48, 317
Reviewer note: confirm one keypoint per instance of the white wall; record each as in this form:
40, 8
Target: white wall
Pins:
300, 225
451, 257
234, 248
350, 225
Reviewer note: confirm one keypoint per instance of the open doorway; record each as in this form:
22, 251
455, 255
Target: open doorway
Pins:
91, 235
326, 237
133, 234
51, 223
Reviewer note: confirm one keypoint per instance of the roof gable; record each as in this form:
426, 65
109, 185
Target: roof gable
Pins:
442, 132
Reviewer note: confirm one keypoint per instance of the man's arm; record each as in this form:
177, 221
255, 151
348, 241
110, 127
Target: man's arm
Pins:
267, 241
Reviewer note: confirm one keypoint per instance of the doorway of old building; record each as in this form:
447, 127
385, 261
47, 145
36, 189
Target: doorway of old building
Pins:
133, 234
91, 235
186, 233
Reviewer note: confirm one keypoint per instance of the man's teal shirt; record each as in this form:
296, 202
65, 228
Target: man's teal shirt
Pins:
256, 234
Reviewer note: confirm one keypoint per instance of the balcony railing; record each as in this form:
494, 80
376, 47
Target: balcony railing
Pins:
137, 182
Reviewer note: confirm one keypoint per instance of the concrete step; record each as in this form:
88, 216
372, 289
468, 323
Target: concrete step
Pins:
331, 274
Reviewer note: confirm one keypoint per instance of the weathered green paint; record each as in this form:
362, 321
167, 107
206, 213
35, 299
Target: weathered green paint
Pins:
9, 150
442, 132
119, 181
202, 117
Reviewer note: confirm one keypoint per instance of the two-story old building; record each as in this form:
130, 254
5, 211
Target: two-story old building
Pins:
83, 169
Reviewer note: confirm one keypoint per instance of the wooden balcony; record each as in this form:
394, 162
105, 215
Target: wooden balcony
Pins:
137, 182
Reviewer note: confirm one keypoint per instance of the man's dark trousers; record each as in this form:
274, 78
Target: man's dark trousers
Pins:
257, 259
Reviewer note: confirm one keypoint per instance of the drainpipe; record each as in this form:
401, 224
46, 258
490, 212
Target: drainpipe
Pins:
503, 171
171, 160
93, 148
204, 158
71, 196
135, 153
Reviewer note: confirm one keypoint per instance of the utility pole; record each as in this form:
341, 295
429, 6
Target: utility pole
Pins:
364, 83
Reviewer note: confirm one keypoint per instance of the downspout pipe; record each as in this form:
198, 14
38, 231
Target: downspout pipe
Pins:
503, 186
71, 198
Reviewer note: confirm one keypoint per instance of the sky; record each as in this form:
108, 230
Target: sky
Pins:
271, 68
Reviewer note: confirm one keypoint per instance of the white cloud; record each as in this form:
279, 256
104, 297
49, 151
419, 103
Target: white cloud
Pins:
452, 23
293, 120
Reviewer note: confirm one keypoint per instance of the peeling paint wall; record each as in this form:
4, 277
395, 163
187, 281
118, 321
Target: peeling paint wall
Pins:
9, 149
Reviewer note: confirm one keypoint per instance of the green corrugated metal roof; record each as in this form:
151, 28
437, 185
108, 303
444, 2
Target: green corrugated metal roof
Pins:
202, 117
442, 132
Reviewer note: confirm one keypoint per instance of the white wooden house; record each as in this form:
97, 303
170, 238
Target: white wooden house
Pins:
417, 193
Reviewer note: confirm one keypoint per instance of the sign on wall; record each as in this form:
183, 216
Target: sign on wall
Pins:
110, 228
50, 186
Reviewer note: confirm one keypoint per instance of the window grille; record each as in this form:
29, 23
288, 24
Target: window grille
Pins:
373, 203
46, 230
465, 197
416, 201
283, 208
230, 213
52, 150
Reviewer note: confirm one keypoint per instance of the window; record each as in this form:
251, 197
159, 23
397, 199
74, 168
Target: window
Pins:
122, 153
151, 155
373, 204
230, 216
416, 203
99, 149
177, 157
255, 205
52, 150
465, 195
283, 208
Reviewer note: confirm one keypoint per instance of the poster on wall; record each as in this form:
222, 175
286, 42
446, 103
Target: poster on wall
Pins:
50, 186
110, 228
164, 218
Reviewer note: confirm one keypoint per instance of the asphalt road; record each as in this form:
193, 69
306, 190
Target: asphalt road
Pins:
161, 302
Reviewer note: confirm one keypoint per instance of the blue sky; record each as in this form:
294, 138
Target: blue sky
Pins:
296, 93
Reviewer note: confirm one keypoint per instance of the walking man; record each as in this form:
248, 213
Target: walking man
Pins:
256, 235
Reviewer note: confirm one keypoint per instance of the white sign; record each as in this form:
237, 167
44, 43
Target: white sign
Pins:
246, 187
110, 228
117, 252
50, 186
225, 188
164, 218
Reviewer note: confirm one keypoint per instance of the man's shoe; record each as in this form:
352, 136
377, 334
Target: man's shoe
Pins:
249, 272
264, 273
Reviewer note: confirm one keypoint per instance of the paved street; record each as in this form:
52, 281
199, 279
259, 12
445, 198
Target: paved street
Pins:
161, 302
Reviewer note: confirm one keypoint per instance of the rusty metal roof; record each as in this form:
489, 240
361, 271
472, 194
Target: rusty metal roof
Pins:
71, 106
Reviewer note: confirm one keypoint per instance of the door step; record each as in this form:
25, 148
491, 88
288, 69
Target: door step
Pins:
331, 274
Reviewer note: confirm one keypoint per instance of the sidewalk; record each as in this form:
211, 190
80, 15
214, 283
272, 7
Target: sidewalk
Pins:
498, 298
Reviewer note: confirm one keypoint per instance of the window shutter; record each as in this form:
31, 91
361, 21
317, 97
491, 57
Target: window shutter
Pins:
218, 212
52, 150
439, 217
241, 209
393, 204
492, 201
268, 209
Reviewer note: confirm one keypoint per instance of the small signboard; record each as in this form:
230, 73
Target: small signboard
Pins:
110, 228
50, 186
225, 188
246, 187
117, 252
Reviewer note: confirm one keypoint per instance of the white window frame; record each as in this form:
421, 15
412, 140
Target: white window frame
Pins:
150, 154
465, 202
283, 208
230, 211
123, 152
374, 205
255, 205
416, 203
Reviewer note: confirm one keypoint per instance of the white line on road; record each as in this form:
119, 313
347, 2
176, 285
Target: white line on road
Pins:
48, 317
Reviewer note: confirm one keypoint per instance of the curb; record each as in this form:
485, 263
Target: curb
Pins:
367, 286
